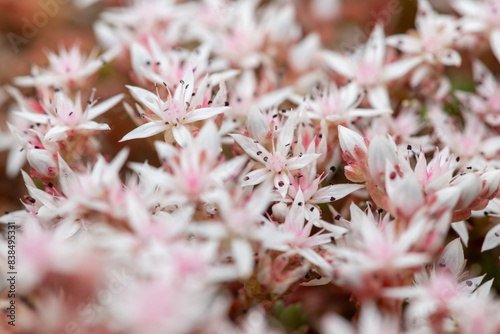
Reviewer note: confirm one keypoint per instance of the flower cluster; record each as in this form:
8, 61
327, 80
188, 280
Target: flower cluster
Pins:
285, 168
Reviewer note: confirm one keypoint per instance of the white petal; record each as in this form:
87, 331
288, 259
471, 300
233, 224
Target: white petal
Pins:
375, 47
380, 152
147, 98
256, 177
450, 58
399, 68
407, 44
350, 140
145, 130
164, 150
204, 113
495, 42
104, 106
484, 290
253, 149
257, 124
42, 161
243, 256
334, 192
492, 239
452, 258
91, 125
379, 97
57, 133
274, 98
462, 231
338, 63
301, 161
282, 182
182, 135
139, 57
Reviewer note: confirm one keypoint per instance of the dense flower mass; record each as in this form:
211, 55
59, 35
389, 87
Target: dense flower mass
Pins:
286, 185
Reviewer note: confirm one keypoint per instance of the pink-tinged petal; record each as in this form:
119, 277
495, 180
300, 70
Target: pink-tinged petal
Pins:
338, 63
405, 43
147, 98
375, 47
204, 113
495, 42
450, 58
282, 182
334, 192
93, 126
462, 231
399, 68
57, 133
492, 239
379, 97
104, 106
182, 135
42, 161
491, 182
352, 143
145, 130
256, 177
242, 253
452, 259
301, 161
257, 124
470, 187
251, 147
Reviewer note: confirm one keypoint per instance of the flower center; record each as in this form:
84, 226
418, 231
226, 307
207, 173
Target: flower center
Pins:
276, 163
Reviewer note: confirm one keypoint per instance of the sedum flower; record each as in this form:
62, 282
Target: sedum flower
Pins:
68, 69
173, 115
65, 118
366, 67
278, 163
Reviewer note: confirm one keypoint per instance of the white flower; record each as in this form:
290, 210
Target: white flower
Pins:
279, 162
67, 69
179, 110
367, 68
64, 117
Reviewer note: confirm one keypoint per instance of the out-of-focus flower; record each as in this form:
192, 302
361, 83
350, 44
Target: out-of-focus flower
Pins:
68, 69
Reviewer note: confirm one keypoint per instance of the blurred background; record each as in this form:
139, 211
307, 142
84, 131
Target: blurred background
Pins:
30, 28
